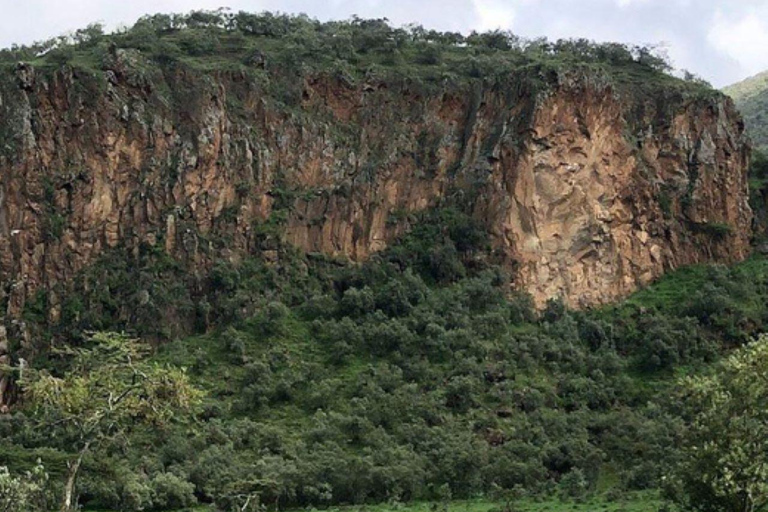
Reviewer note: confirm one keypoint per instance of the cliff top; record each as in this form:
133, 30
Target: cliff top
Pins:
267, 44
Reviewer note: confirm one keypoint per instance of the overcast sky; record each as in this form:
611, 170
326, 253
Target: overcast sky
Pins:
724, 41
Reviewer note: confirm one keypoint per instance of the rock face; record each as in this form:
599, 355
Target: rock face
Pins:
589, 192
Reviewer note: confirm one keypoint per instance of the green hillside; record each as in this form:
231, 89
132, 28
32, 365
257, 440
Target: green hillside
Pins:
277, 49
751, 97
414, 377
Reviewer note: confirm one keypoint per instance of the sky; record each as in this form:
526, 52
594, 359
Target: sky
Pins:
723, 41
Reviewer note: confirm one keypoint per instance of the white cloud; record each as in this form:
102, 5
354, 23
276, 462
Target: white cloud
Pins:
627, 3
493, 14
31, 20
744, 39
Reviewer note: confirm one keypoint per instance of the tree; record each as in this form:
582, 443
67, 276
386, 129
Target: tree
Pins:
108, 390
25, 493
654, 57
759, 167
724, 465
90, 35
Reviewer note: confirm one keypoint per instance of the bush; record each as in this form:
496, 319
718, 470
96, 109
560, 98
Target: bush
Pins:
574, 484
356, 302
169, 492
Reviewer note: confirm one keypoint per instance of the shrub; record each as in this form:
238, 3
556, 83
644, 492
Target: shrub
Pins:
169, 492
574, 484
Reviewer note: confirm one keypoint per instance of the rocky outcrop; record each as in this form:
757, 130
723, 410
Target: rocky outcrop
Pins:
589, 191
597, 204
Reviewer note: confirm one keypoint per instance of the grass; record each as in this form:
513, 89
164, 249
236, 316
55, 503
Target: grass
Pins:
675, 288
633, 502
202, 508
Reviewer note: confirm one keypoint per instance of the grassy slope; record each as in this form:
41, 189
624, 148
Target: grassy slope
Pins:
668, 294
748, 88
673, 289
640, 502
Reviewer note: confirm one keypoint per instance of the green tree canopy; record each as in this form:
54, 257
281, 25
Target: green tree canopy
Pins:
725, 457
108, 389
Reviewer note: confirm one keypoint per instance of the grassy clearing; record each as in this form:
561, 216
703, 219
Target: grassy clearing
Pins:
675, 288
634, 502
204, 508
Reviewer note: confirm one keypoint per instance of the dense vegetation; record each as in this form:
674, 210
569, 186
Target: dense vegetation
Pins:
758, 195
751, 96
723, 468
414, 376
276, 49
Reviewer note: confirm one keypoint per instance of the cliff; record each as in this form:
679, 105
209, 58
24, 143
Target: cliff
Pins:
585, 202
590, 187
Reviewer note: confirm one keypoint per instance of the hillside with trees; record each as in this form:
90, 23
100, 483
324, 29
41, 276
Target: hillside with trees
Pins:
180, 370
751, 97
414, 377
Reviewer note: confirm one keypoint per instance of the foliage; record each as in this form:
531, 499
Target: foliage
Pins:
107, 385
751, 97
107, 391
724, 459
759, 168
147, 294
287, 47
329, 383
758, 192
24, 493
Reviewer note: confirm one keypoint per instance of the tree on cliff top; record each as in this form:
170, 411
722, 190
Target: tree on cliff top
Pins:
724, 467
108, 390
230, 39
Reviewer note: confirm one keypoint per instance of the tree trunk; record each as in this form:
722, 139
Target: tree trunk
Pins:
73, 467
748, 505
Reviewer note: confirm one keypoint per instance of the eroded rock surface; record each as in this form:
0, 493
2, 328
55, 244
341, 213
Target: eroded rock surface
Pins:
589, 192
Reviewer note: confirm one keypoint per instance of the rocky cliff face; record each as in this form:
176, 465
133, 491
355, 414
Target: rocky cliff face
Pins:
589, 192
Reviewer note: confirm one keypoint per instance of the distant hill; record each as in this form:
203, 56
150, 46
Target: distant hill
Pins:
751, 96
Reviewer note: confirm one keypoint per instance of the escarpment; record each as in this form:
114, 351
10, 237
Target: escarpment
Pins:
588, 190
